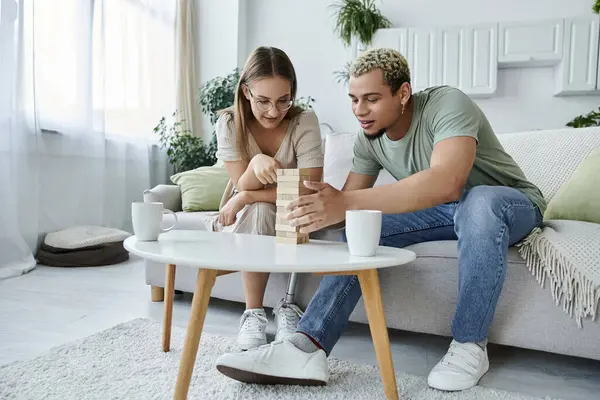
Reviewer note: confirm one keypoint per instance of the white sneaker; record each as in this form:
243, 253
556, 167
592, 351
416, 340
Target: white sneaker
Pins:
461, 368
278, 363
287, 317
252, 329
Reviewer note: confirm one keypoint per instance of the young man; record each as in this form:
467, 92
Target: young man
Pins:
455, 182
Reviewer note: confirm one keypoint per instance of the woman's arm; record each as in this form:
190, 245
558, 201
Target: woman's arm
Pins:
269, 195
242, 175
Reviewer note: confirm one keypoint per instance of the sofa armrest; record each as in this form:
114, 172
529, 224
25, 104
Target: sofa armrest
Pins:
169, 195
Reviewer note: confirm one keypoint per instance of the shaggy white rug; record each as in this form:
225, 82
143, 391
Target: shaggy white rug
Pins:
126, 362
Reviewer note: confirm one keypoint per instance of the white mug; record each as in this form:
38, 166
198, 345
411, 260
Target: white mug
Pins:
363, 230
147, 219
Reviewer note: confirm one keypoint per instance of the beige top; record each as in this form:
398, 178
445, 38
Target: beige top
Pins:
301, 147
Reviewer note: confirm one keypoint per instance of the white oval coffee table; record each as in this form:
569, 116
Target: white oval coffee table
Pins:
216, 254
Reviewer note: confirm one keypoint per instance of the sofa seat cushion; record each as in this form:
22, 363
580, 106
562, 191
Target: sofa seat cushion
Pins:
447, 249
190, 220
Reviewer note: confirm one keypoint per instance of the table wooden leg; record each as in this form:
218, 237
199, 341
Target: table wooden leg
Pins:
204, 284
371, 291
168, 317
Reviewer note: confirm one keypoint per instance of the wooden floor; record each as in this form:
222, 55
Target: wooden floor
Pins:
52, 306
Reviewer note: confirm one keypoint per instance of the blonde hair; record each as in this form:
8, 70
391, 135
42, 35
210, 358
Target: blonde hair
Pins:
393, 64
263, 62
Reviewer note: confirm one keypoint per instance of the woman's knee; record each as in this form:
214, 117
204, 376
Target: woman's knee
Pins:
262, 216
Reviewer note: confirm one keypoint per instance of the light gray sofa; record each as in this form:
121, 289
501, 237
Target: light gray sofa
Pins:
421, 296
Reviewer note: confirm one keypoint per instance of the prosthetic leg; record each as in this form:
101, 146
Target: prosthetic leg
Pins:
290, 292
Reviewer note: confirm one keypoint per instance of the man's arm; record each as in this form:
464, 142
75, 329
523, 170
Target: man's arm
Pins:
356, 181
451, 163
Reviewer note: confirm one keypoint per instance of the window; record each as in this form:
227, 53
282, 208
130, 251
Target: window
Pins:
103, 65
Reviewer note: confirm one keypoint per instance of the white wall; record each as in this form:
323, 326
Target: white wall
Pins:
219, 23
304, 29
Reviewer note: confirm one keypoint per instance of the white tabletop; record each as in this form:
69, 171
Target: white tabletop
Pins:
256, 253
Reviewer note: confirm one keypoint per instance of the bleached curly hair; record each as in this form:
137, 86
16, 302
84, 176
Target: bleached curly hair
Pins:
393, 64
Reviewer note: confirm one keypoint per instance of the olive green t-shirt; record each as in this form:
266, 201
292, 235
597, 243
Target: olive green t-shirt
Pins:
439, 113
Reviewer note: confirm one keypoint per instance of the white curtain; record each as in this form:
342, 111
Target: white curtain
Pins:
187, 86
83, 85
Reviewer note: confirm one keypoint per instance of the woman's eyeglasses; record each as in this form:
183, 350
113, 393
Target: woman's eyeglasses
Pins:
266, 105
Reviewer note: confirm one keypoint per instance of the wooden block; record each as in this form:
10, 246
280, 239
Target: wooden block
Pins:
292, 178
281, 221
286, 196
285, 228
298, 191
289, 184
282, 210
282, 203
286, 240
290, 234
293, 171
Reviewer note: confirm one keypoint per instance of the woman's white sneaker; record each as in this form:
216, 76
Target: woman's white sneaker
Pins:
461, 368
252, 329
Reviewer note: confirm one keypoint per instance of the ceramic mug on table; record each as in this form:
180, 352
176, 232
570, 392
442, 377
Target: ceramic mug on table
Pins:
363, 230
147, 219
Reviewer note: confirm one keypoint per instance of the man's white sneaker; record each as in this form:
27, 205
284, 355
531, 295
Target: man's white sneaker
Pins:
461, 368
252, 329
278, 363
287, 317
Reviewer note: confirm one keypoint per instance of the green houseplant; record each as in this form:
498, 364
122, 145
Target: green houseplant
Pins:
356, 20
184, 150
359, 19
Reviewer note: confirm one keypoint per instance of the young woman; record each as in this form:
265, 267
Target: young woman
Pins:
261, 132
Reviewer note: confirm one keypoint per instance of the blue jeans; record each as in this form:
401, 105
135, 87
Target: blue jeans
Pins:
486, 221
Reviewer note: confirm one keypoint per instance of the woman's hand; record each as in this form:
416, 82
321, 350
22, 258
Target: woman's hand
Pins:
265, 168
228, 214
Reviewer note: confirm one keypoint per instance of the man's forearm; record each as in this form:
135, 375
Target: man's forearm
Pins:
424, 189
268, 195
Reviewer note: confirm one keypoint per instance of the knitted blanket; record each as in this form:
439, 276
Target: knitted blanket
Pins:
567, 254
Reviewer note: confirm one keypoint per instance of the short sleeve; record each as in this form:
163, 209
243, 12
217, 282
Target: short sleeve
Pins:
455, 114
226, 144
363, 162
307, 141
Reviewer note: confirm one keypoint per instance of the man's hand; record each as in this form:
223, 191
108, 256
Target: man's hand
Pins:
228, 213
316, 211
265, 168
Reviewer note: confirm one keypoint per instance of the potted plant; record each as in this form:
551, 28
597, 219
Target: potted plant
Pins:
184, 150
357, 21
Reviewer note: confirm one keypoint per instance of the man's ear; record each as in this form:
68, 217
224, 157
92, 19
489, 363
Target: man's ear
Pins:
405, 91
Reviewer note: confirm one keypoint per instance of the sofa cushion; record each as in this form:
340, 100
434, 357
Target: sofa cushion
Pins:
201, 188
446, 249
579, 198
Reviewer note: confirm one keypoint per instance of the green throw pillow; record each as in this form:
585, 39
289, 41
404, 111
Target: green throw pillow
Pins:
201, 188
579, 198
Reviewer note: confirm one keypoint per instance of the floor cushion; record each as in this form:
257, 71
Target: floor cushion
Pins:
83, 246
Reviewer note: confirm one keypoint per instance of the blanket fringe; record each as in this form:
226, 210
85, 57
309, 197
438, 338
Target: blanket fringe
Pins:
578, 293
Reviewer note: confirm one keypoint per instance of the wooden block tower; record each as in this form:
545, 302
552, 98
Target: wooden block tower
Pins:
289, 187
